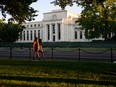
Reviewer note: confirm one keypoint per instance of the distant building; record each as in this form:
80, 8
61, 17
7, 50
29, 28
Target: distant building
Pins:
56, 26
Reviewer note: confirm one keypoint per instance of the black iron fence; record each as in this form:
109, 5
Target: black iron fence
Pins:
66, 54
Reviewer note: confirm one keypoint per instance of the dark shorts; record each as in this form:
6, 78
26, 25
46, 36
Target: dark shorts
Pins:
35, 49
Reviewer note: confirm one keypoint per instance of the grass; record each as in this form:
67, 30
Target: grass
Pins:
23, 73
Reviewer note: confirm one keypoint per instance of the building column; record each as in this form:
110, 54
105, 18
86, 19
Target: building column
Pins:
83, 35
37, 33
22, 36
26, 35
51, 34
45, 34
66, 28
33, 35
56, 32
29, 36
62, 32
78, 34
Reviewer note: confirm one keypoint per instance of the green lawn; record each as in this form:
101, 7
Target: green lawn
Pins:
17, 73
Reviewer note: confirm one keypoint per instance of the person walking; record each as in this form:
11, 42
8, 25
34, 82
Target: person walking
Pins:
41, 48
35, 49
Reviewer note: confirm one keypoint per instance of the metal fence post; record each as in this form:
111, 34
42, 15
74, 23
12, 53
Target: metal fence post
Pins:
52, 53
10, 52
111, 56
29, 52
79, 54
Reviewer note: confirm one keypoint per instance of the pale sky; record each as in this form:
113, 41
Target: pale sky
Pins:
44, 6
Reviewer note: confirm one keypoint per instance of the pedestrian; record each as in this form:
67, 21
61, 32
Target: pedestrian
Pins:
41, 48
35, 49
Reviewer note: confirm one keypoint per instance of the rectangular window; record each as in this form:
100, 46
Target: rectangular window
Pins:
81, 36
59, 32
27, 35
31, 25
34, 25
38, 25
48, 28
34, 33
39, 33
53, 28
23, 35
31, 35
75, 33
53, 37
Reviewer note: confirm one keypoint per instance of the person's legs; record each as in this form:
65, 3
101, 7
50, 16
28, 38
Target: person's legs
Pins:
42, 53
34, 56
38, 56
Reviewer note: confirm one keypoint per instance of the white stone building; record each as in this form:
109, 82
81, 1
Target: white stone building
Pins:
56, 26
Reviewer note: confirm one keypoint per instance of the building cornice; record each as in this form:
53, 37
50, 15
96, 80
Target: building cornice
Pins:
52, 20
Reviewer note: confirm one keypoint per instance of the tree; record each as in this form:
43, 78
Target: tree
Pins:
19, 10
9, 32
62, 3
98, 18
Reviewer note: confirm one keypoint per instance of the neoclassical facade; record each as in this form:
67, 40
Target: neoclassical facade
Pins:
56, 26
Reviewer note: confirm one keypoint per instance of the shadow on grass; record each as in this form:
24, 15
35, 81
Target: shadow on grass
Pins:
58, 80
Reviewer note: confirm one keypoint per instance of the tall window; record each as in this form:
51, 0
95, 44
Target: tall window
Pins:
23, 35
39, 33
48, 28
27, 35
76, 33
53, 37
31, 35
38, 25
20, 35
53, 27
34, 25
31, 25
34, 33
59, 32
81, 36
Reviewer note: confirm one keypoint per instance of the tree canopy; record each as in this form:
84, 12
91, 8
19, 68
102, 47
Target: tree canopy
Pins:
64, 3
9, 32
98, 17
19, 10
